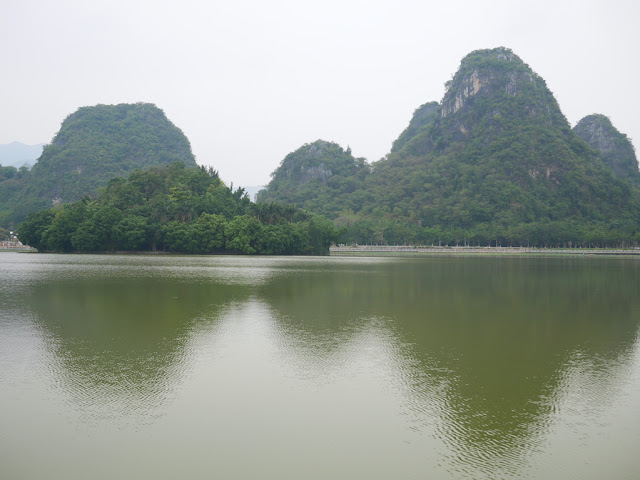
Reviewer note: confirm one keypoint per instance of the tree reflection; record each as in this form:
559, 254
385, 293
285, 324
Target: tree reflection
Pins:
121, 343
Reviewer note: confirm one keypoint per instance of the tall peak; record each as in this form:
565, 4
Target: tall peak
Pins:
492, 89
498, 69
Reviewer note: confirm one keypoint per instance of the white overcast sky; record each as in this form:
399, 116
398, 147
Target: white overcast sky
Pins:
250, 81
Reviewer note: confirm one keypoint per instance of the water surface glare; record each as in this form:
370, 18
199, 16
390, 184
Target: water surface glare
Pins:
334, 367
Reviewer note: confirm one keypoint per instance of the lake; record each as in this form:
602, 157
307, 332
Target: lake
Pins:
319, 367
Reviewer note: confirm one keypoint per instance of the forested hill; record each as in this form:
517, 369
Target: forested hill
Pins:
94, 144
501, 151
614, 149
495, 158
320, 176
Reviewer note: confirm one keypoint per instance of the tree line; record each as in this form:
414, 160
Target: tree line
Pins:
387, 230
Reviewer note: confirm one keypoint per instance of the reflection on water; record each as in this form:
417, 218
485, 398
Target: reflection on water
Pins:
120, 344
489, 341
332, 367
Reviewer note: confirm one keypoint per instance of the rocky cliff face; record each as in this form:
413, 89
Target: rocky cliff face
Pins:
310, 164
494, 94
614, 148
493, 87
473, 76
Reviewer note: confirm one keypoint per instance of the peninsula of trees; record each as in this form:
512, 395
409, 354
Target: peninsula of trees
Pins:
176, 209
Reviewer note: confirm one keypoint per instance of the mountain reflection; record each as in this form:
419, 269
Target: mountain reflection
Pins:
486, 345
480, 354
121, 343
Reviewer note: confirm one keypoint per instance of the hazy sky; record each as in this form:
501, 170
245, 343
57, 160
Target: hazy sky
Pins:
250, 81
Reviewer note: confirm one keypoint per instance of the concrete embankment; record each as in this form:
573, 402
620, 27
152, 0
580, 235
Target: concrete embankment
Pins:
15, 247
399, 249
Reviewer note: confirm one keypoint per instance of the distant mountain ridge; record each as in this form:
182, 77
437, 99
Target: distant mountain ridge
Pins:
17, 154
94, 145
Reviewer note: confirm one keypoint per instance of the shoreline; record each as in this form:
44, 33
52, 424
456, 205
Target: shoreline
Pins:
432, 250
396, 250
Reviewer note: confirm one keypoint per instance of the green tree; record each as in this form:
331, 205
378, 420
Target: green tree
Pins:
206, 234
31, 230
132, 233
242, 234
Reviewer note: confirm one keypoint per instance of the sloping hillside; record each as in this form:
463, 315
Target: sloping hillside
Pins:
94, 144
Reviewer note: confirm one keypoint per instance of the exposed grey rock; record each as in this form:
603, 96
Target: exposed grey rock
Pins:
320, 172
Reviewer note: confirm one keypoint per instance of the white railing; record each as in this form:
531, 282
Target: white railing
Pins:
469, 249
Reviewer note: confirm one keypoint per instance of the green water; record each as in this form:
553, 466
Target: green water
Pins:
329, 368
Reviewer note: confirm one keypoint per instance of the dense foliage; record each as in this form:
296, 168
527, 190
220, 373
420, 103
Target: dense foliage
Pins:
13, 204
422, 119
495, 163
176, 209
613, 148
94, 144
321, 177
